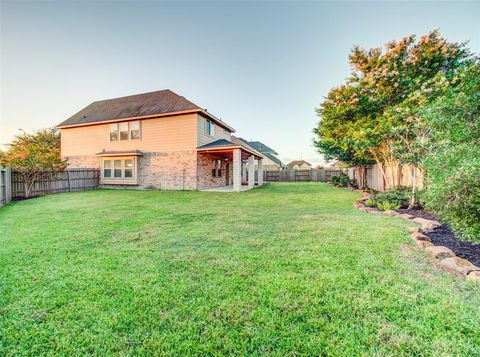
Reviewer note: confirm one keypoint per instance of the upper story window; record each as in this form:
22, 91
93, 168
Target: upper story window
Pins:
125, 131
123, 128
114, 132
209, 128
134, 130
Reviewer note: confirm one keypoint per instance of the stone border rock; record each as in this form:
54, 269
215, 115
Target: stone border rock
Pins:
445, 258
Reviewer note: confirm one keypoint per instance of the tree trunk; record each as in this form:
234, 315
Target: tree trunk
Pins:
398, 182
414, 187
384, 175
360, 173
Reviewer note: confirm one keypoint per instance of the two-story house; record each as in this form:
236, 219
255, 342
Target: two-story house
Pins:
156, 140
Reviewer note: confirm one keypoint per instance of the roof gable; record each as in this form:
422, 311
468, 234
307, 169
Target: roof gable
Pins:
132, 106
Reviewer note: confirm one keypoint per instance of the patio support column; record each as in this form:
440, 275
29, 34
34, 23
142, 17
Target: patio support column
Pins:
244, 171
251, 171
237, 170
260, 172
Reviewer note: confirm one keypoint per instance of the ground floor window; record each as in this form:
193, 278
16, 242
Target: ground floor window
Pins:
119, 169
217, 168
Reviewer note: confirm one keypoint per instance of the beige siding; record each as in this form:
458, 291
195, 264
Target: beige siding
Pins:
203, 138
175, 133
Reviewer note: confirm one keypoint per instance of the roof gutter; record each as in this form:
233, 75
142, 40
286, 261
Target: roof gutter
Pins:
193, 111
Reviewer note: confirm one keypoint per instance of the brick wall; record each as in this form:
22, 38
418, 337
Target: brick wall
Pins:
204, 173
82, 162
168, 170
178, 170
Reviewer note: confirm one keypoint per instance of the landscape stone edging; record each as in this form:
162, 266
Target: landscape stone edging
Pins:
445, 258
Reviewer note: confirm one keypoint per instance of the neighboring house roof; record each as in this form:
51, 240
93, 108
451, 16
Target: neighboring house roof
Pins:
259, 146
273, 158
297, 162
240, 141
151, 104
265, 150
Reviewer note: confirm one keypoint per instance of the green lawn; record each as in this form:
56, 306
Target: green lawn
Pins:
285, 269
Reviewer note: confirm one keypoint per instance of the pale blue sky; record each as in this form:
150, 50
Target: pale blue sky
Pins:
262, 67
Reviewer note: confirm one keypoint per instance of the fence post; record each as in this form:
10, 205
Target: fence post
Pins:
8, 184
68, 179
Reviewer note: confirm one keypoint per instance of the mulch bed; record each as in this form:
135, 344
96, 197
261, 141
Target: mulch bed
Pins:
444, 236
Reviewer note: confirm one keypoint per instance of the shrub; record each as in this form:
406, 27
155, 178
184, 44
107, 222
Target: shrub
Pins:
421, 199
370, 203
342, 180
386, 205
399, 197
453, 165
335, 181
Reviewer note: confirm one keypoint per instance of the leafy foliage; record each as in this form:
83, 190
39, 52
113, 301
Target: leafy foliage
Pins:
342, 180
356, 118
370, 203
31, 154
388, 206
453, 164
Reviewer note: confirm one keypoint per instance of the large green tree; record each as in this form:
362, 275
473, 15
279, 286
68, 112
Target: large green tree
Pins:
32, 154
354, 117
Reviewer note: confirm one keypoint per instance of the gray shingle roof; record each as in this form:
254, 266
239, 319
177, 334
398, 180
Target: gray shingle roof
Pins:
159, 102
259, 146
220, 142
273, 158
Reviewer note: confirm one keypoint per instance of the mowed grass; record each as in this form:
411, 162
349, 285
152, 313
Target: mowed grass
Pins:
286, 269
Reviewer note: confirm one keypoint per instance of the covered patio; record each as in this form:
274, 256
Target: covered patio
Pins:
235, 161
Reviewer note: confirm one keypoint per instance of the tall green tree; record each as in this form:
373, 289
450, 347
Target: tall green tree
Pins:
32, 154
354, 117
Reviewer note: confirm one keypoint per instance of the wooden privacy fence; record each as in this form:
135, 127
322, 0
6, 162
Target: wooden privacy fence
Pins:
394, 176
5, 187
55, 182
308, 175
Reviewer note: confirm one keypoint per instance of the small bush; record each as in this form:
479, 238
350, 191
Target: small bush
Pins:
399, 197
341, 180
335, 181
387, 206
370, 203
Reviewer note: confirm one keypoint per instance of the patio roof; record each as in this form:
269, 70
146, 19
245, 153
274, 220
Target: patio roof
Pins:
223, 146
120, 153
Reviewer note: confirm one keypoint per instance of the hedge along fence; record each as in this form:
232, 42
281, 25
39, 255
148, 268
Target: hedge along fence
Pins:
397, 175
54, 182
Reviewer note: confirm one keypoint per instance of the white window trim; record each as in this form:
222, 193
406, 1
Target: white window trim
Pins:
119, 180
129, 131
